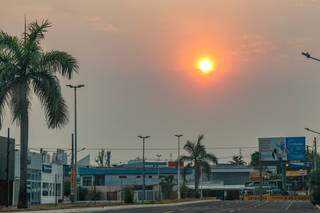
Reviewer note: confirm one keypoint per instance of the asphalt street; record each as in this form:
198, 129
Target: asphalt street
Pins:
231, 207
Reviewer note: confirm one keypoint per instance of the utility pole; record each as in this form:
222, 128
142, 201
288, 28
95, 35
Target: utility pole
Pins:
178, 166
159, 189
201, 179
7, 171
143, 168
56, 190
260, 171
75, 87
73, 172
315, 163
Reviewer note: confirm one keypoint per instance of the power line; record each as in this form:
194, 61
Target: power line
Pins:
138, 149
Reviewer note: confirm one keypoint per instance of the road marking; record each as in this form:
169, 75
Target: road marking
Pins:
169, 212
289, 205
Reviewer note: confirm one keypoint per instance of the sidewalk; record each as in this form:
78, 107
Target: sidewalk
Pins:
105, 208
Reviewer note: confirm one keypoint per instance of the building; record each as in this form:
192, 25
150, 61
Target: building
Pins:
225, 181
110, 182
60, 157
33, 178
44, 179
51, 183
6, 156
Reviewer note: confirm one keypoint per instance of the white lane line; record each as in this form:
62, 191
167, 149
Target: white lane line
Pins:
289, 205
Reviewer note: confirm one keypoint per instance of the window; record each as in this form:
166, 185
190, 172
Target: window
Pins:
45, 189
58, 189
150, 176
87, 181
99, 180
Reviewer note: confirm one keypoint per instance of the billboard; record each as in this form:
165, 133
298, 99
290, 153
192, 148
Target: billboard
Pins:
287, 148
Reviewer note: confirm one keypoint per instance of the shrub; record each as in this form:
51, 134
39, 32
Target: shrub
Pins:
314, 187
128, 195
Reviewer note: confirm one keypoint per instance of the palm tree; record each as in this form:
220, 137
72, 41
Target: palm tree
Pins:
237, 160
198, 158
25, 69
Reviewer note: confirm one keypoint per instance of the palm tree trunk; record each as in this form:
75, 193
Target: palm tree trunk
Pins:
196, 181
24, 128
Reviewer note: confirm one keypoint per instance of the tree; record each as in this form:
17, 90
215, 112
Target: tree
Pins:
198, 159
128, 195
103, 158
314, 186
167, 183
238, 160
255, 159
67, 188
25, 69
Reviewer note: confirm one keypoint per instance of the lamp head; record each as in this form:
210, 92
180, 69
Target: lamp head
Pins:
306, 54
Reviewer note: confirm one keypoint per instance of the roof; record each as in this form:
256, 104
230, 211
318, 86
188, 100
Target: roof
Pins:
231, 168
127, 171
218, 186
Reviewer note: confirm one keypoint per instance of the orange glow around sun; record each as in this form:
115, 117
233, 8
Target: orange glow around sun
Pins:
206, 66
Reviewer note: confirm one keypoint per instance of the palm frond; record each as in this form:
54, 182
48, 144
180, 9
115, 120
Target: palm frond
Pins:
211, 157
46, 86
189, 147
19, 102
4, 99
10, 44
186, 158
59, 61
37, 31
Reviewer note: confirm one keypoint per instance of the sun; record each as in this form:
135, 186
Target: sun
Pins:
206, 65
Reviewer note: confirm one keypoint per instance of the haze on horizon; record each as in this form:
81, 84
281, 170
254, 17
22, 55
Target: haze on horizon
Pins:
137, 62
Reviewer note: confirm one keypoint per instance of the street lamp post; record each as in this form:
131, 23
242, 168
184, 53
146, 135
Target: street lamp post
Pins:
178, 164
75, 87
143, 167
307, 55
315, 153
159, 190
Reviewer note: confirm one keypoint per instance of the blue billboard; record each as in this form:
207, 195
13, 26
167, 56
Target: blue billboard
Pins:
296, 147
285, 148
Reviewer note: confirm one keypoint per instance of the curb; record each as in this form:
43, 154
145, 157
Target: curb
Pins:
103, 209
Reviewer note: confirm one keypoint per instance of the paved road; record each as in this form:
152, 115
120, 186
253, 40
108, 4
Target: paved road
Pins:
230, 207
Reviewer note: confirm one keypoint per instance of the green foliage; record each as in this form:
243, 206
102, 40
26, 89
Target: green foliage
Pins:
128, 195
185, 191
198, 158
255, 158
167, 183
67, 188
27, 70
103, 158
89, 194
83, 193
314, 186
238, 160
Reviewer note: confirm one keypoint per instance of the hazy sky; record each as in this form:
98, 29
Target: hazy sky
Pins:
137, 62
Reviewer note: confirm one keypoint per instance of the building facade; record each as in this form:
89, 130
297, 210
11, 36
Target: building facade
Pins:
6, 165
44, 179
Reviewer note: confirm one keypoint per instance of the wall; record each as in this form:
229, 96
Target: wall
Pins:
51, 183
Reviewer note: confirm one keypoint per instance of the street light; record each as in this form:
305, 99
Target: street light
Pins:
178, 160
143, 167
315, 154
308, 56
159, 156
75, 87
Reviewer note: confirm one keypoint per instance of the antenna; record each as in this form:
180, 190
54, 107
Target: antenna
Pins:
25, 28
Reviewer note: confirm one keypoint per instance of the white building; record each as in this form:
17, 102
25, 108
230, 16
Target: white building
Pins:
51, 183
44, 179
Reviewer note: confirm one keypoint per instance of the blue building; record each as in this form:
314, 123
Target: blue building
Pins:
111, 181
